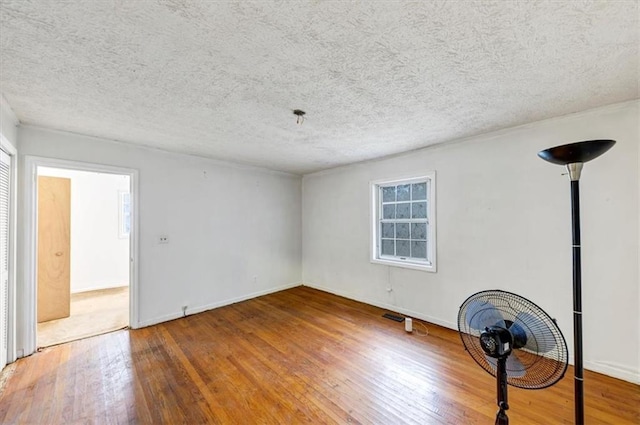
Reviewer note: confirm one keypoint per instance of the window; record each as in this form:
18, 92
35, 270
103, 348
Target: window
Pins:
403, 225
124, 214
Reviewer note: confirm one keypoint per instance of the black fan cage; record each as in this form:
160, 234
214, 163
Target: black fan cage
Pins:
540, 363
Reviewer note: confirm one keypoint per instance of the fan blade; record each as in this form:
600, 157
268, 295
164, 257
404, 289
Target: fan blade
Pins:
540, 338
482, 314
515, 369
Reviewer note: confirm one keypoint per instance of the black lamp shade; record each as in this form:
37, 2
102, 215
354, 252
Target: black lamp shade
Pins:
576, 152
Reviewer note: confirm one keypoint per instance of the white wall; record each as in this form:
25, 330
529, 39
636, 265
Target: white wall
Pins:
99, 256
8, 122
234, 230
503, 222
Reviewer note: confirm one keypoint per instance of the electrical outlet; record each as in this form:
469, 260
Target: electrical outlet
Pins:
163, 239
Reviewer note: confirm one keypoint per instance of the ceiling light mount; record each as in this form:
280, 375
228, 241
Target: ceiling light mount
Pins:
300, 114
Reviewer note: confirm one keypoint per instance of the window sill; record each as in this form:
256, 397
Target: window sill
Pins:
405, 264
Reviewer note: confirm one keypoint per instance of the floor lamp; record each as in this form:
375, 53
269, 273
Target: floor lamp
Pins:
573, 156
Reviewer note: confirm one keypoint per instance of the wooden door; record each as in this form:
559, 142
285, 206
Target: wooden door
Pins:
54, 248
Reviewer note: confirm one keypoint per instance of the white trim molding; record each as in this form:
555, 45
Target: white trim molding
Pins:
390, 307
8, 147
206, 307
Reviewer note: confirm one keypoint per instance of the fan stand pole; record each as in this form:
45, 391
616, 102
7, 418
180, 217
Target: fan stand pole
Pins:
501, 378
574, 173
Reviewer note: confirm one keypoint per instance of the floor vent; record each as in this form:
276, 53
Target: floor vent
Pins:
393, 317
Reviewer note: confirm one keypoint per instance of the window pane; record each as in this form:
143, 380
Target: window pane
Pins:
387, 230
402, 210
419, 249
389, 194
404, 192
404, 223
402, 248
419, 210
387, 247
402, 231
419, 191
418, 231
389, 211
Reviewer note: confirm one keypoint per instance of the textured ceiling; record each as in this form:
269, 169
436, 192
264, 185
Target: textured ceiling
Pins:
220, 79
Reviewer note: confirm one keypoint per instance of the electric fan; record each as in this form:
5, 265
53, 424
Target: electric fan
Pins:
512, 338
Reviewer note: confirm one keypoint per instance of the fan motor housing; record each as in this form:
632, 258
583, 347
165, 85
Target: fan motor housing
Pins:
496, 341
500, 325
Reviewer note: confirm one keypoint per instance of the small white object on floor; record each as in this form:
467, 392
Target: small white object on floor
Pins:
408, 324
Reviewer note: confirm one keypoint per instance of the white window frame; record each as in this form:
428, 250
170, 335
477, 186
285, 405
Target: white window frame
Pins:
124, 220
376, 208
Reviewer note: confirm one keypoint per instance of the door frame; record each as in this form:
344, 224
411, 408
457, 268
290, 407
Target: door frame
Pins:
31, 239
8, 147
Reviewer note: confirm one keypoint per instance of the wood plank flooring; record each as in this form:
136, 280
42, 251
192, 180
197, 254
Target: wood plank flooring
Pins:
296, 356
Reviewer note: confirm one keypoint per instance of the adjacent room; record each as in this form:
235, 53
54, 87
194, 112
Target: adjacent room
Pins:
286, 212
83, 254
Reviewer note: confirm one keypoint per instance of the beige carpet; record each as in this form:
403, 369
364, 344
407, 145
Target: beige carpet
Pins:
92, 313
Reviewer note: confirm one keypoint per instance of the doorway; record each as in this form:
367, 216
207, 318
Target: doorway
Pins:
80, 264
83, 254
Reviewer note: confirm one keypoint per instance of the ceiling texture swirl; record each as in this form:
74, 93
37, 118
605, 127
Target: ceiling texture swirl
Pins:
221, 79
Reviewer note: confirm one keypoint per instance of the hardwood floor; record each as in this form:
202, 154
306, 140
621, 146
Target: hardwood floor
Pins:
297, 356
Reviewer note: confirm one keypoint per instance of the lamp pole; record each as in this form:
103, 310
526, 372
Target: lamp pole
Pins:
574, 175
573, 156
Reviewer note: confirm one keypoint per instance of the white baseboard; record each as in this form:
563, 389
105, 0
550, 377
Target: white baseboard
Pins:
206, 307
390, 307
614, 370
98, 288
